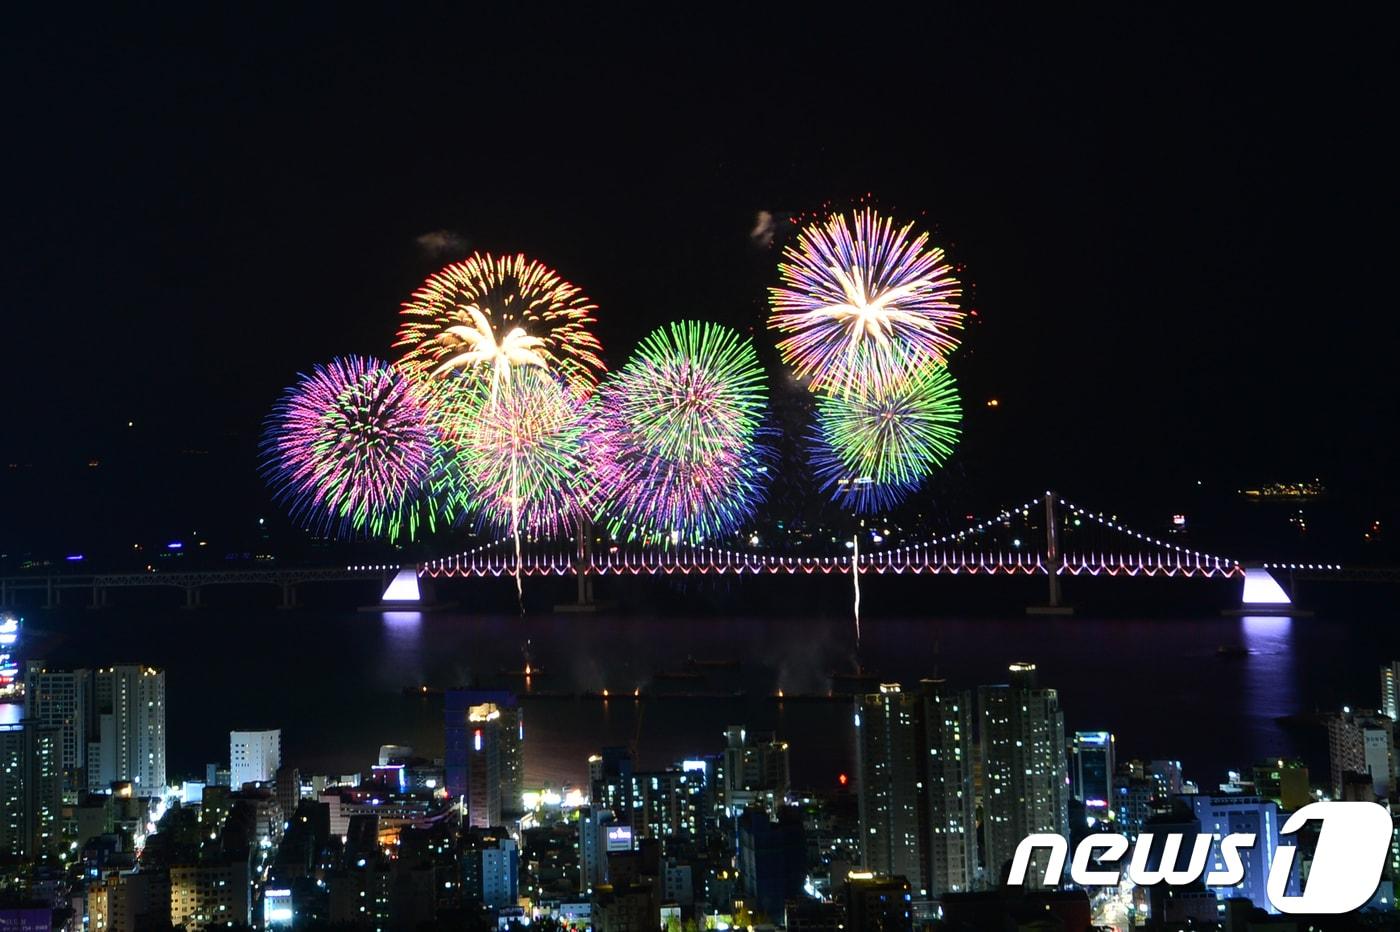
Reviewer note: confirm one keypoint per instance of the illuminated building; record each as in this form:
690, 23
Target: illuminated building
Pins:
490, 864
31, 789
1221, 816
278, 912
755, 771
887, 778
210, 894
593, 822
129, 902
128, 725
61, 698
1024, 772
657, 804
484, 783
1133, 802
1390, 690
914, 786
1091, 769
254, 756
1362, 742
484, 734
948, 820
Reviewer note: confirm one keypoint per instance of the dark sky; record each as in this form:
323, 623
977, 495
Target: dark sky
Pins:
1179, 230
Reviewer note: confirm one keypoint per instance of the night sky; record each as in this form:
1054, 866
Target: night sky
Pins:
1178, 230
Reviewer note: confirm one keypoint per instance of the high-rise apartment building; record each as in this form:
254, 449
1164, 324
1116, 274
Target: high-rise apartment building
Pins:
755, 770
111, 723
1362, 742
914, 786
1390, 690
126, 734
484, 733
1024, 771
61, 698
31, 789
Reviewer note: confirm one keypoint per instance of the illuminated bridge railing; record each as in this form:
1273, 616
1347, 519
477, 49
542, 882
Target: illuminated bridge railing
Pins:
1150, 565
1005, 544
896, 562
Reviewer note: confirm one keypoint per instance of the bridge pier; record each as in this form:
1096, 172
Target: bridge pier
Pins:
99, 597
50, 594
1054, 562
192, 597
289, 596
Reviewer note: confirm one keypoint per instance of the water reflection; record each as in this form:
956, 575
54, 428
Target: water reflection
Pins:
403, 649
1269, 682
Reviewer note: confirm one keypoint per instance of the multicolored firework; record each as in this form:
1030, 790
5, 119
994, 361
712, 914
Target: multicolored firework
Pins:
863, 304
678, 447
871, 450
352, 448
520, 449
503, 313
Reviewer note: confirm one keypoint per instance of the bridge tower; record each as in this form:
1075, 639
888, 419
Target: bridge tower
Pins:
583, 561
1054, 560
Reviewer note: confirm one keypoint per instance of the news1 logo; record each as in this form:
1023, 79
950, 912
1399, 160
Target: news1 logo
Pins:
1352, 846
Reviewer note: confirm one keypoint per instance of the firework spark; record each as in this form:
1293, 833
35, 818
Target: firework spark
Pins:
352, 448
871, 450
504, 313
679, 447
863, 303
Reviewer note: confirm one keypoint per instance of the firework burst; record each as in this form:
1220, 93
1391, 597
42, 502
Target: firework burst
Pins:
678, 448
352, 448
863, 303
520, 446
871, 450
502, 313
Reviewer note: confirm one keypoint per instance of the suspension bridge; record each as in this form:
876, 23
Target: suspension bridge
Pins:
1046, 536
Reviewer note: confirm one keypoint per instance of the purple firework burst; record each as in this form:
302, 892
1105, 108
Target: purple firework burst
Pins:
352, 448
